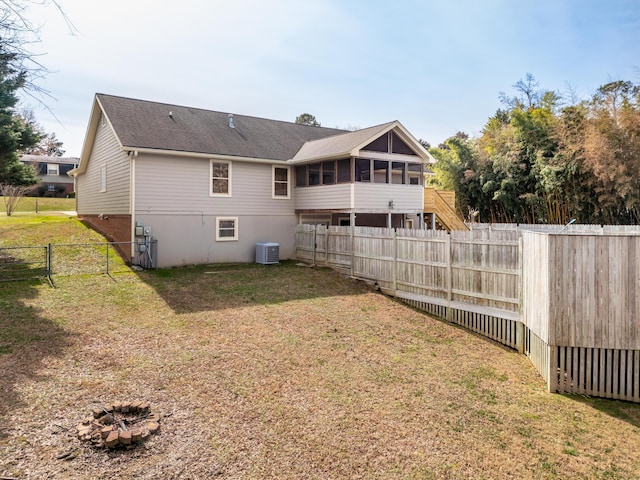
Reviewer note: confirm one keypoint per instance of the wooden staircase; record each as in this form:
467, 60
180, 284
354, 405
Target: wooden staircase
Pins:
442, 204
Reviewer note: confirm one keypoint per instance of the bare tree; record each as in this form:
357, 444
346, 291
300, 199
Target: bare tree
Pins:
18, 38
12, 194
530, 94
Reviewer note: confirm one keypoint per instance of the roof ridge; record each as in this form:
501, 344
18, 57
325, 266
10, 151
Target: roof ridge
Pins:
218, 111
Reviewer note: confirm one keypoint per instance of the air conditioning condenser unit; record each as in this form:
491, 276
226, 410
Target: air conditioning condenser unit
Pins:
267, 253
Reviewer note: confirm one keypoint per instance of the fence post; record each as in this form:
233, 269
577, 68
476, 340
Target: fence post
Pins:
395, 261
107, 259
313, 258
327, 242
49, 268
449, 278
353, 241
47, 255
520, 325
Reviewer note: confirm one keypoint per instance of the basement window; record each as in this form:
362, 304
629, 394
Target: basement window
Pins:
226, 229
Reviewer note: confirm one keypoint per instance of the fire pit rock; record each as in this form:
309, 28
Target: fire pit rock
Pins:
120, 424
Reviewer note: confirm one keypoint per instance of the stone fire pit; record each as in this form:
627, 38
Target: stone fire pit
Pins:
120, 424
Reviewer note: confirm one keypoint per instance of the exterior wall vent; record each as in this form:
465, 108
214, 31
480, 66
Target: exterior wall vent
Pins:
267, 253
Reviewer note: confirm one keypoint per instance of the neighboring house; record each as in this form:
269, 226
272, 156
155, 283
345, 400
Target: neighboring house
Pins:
51, 172
210, 185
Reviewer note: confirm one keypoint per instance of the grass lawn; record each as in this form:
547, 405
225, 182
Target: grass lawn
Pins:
281, 371
44, 204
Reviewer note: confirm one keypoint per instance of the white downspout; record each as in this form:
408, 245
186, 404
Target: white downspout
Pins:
132, 200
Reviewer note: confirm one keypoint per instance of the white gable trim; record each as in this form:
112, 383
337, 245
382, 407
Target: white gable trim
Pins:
404, 135
97, 112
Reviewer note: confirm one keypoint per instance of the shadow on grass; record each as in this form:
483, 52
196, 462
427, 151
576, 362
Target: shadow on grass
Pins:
27, 340
626, 411
221, 286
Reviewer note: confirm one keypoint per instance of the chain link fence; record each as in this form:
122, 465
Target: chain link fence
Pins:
23, 263
32, 262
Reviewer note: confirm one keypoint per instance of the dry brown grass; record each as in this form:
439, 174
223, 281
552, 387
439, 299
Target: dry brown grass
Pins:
283, 372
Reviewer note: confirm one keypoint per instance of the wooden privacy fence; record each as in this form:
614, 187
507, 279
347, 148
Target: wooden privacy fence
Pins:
582, 311
566, 297
469, 277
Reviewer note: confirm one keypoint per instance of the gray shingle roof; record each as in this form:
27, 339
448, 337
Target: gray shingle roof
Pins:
339, 144
144, 124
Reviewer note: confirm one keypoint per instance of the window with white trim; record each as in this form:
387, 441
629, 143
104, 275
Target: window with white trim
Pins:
226, 229
220, 179
53, 169
280, 182
103, 178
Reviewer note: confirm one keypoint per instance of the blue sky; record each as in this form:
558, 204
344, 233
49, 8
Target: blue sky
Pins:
437, 66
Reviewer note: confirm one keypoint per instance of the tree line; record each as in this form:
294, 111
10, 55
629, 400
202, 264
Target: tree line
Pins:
546, 158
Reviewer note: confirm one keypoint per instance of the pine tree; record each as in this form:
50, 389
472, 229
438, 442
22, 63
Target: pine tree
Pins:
16, 134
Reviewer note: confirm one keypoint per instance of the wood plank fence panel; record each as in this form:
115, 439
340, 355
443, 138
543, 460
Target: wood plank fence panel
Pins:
339, 244
422, 263
593, 290
566, 299
486, 268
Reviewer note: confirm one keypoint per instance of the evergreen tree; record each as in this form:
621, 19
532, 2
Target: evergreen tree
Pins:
307, 119
16, 134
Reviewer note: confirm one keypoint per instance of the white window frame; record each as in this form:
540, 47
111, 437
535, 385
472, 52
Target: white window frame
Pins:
103, 178
211, 193
273, 182
53, 169
344, 221
235, 229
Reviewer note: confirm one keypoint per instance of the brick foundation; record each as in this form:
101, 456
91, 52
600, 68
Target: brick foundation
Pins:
115, 228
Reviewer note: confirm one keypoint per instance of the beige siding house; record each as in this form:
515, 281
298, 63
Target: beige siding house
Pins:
210, 185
